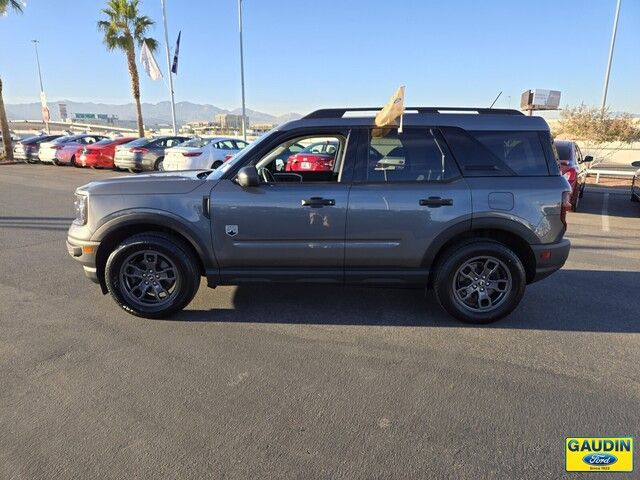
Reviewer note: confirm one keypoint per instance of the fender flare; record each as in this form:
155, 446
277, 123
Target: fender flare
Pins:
160, 218
468, 226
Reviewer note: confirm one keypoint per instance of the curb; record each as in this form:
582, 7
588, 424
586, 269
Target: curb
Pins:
13, 163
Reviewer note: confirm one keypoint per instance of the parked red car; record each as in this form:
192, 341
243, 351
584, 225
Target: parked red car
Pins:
317, 157
572, 168
66, 152
100, 154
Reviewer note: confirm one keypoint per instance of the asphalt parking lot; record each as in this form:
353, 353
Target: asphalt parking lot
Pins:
299, 382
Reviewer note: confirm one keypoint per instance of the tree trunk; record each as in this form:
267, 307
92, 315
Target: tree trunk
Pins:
4, 128
135, 87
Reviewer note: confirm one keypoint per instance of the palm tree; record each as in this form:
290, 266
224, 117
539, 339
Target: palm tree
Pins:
123, 29
16, 6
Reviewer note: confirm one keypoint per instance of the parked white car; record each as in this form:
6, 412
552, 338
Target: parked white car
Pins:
202, 153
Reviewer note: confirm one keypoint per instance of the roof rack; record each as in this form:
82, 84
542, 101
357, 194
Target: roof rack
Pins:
339, 112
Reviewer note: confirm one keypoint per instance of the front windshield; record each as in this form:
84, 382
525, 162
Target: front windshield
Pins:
238, 157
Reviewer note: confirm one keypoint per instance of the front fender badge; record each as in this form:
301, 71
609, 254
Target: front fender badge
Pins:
231, 230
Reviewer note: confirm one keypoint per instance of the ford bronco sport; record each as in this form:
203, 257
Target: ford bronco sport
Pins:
467, 202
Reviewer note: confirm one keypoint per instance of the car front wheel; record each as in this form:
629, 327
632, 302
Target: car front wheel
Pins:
480, 281
152, 275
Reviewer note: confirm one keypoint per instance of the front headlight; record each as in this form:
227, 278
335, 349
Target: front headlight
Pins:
80, 208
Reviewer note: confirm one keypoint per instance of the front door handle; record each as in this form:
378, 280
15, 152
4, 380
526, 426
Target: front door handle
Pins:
317, 202
435, 202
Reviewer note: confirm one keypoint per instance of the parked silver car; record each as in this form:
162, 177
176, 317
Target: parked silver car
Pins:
145, 153
470, 205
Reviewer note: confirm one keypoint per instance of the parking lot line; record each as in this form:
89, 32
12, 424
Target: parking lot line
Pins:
605, 212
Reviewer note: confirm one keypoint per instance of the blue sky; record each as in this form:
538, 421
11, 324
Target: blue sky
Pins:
305, 54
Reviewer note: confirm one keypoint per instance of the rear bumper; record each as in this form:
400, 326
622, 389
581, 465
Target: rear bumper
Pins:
134, 162
550, 258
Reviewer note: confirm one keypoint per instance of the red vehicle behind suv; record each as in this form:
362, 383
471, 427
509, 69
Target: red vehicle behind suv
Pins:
317, 157
100, 154
571, 167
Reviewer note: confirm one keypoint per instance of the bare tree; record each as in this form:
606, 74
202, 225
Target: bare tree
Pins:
601, 132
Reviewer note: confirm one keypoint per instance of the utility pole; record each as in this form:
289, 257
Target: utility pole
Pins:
244, 111
42, 94
613, 44
166, 42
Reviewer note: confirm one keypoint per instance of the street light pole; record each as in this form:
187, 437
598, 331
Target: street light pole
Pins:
42, 95
166, 41
244, 112
613, 44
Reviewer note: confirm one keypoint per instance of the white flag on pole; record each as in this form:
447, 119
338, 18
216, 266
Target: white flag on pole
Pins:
149, 62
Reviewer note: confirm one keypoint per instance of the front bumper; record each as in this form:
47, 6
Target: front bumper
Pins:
84, 251
550, 258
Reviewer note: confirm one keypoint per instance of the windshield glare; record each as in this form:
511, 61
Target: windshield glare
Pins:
196, 143
138, 143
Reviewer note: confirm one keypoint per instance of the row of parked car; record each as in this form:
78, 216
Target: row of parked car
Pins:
161, 153
130, 153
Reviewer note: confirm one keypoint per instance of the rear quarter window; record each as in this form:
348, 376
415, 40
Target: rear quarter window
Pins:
521, 151
497, 153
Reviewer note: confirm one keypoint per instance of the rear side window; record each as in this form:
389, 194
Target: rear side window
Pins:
415, 155
497, 153
520, 151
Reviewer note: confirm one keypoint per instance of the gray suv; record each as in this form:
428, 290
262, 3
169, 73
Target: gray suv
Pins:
467, 202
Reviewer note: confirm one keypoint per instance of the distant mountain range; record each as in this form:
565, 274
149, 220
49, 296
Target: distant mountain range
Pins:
152, 113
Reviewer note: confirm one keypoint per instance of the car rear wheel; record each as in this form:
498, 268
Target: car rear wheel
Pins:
480, 281
152, 275
216, 164
73, 161
159, 165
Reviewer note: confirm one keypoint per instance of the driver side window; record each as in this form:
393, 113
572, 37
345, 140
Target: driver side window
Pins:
305, 159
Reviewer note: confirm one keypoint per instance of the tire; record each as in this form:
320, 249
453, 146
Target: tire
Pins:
172, 258
73, 163
216, 164
574, 205
451, 276
158, 166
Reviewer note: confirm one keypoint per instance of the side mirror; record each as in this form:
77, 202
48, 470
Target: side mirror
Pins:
248, 177
587, 159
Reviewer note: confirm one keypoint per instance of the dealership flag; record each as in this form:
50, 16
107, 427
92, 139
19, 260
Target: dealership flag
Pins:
149, 63
174, 67
392, 110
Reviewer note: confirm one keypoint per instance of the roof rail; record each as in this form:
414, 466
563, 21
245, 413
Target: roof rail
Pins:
339, 112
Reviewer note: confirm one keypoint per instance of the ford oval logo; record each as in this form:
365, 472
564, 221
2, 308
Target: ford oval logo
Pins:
599, 459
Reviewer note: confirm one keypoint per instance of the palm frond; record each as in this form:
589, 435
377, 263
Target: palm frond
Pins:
15, 5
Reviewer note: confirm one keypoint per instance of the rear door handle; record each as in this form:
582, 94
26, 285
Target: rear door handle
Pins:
434, 202
317, 202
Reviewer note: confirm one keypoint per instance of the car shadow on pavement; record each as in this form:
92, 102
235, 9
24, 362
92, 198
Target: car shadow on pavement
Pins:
570, 300
36, 223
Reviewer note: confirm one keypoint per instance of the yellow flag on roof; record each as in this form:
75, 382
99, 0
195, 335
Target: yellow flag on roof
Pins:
392, 110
